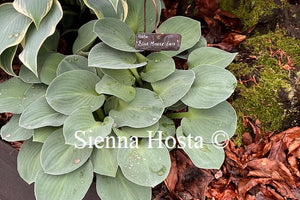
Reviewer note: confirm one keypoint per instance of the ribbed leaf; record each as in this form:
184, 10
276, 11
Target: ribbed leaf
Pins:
104, 56
123, 76
40, 114
49, 67
34, 9
187, 27
74, 62
174, 87
205, 122
41, 134
135, 17
83, 122
28, 76
72, 90
105, 161
105, 8
158, 67
6, 59
33, 93
108, 85
13, 132
212, 86
35, 38
73, 185
13, 26
123, 37
59, 158
85, 38
11, 95
29, 163
210, 56
109, 188
206, 156
145, 110
145, 166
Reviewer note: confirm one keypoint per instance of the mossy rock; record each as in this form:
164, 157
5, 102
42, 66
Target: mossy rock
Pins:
268, 88
249, 11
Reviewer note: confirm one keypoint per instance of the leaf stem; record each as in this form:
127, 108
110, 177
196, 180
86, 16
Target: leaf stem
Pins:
137, 76
178, 115
100, 114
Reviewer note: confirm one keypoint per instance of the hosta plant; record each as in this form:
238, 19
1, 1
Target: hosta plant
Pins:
107, 110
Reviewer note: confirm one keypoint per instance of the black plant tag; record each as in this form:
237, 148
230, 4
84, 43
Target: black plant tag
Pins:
157, 41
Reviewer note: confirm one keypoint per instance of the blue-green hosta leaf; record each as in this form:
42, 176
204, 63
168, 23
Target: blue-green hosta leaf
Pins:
212, 86
177, 106
205, 156
140, 132
158, 67
135, 17
206, 122
105, 8
114, 3
33, 93
166, 127
174, 87
41, 134
145, 166
104, 56
6, 59
82, 124
73, 185
13, 132
105, 161
143, 111
49, 67
59, 158
72, 90
189, 29
51, 42
39, 114
110, 86
11, 95
28, 76
111, 103
29, 163
201, 43
85, 38
74, 62
123, 76
13, 26
34, 9
112, 188
210, 56
115, 34
35, 38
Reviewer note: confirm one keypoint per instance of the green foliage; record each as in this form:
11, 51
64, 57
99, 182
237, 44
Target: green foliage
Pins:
109, 109
261, 101
249, 11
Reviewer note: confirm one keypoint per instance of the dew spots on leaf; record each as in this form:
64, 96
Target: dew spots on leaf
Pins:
162, 171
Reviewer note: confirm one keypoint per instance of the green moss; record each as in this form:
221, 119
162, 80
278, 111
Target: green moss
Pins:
249, 11
261, 101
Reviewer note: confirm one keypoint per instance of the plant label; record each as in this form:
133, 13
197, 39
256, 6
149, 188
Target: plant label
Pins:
157, 41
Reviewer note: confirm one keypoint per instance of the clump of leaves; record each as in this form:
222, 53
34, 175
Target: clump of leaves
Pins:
64, 104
